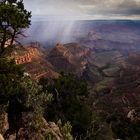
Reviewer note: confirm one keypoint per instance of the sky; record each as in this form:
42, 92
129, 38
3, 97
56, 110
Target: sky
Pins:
84, 9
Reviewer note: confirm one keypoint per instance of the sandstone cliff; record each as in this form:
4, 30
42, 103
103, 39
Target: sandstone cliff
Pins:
33, 57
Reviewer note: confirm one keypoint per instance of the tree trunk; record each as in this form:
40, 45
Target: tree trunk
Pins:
3, 42
13, 37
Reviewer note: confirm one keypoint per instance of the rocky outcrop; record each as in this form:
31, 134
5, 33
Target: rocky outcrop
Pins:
33, 57
134, 115
69, 57
40, 125
35, 127
32, 126
1, 137
4, 125
31, 53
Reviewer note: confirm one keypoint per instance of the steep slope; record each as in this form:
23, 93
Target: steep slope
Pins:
86, 62
111, 69
69, 58
33, 57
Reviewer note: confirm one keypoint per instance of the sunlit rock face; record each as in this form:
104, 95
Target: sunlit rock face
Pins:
1, 137
33, 57
27, 57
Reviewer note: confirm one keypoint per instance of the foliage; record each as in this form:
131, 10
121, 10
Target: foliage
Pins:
125, 129
19, 93
33, 97
50, 136
10, 75
13, 19
66, 130
70, 102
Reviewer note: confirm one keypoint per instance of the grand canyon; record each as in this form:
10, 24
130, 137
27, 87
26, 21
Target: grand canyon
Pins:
68, 79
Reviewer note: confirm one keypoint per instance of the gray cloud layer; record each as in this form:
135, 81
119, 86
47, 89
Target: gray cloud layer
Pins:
86, 9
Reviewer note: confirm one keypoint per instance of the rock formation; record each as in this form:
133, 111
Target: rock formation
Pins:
34, 127
32, 52
33, 57
1, 137
69, 57
4, 125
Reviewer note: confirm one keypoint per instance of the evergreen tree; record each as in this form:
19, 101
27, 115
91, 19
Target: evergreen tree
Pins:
19, 93
13, 19
70, 103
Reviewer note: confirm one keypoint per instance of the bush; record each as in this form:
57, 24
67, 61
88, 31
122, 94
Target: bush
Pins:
70, 102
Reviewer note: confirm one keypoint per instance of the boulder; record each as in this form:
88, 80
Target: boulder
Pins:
34, 126
1, 137
4, 125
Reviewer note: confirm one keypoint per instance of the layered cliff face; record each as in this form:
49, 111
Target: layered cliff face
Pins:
69, 57
117, 92
33, 58
103, 67
87, 62
122, 96
31, 53
111, 72
111, 69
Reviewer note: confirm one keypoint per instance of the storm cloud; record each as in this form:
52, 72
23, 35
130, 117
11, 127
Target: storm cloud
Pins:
85, 9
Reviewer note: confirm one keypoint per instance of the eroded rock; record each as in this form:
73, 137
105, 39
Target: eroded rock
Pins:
4, 125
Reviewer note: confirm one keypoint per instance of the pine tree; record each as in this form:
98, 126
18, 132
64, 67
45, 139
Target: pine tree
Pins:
13, 19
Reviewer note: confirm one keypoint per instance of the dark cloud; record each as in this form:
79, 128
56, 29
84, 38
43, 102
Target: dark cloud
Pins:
85, 8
